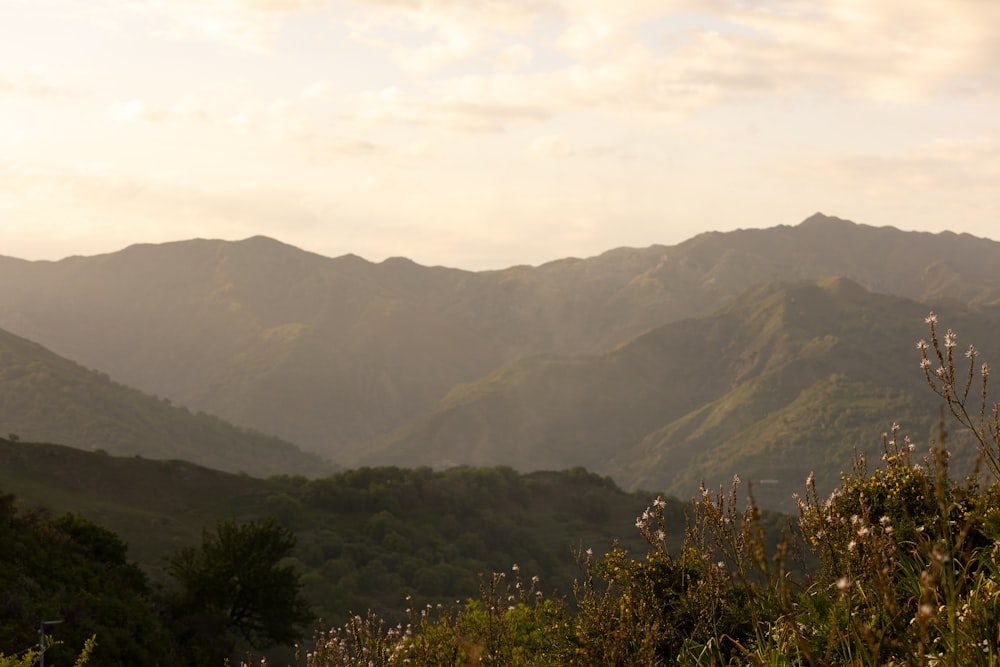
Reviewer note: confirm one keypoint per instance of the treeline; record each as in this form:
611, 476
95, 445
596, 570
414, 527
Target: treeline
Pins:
73, 577
373, 538
68, 569
378, 537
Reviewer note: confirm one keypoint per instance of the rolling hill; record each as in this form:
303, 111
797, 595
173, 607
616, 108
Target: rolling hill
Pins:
44, 397
366, 538
787, 379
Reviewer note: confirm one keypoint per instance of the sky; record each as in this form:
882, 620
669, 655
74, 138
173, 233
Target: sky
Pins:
481, 134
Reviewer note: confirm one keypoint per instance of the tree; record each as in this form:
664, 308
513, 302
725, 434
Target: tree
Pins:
235, 587
70, 569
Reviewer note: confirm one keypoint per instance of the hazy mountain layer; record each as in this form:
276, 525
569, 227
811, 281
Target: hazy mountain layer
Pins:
787, 380
44, 397
333, 353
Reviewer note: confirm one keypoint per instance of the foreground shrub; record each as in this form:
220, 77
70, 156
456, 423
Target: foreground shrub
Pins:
506, 626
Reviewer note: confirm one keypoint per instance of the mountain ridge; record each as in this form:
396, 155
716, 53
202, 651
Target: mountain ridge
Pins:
651, 412
337, 353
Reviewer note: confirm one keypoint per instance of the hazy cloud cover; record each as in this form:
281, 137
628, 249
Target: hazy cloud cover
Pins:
484, 134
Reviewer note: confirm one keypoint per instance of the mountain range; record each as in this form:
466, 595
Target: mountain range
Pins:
786, 380
760, 352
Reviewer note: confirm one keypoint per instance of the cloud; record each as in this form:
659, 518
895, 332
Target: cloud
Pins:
943, 183
552, 146
943, 164
458, 27
322, 150
889, 51
247, 24
510, 16
106, 207
34, 84
677, 57
449, 45
187, 107
457, 106
318, 90
426, 35
514, 56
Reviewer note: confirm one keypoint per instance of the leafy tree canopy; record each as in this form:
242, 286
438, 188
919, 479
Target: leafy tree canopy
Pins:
70, 569
236, 587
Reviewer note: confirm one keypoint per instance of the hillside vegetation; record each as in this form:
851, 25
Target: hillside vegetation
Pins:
786, 380
903, 571
367, 538
897, 566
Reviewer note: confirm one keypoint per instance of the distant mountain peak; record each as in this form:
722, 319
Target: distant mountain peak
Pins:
260, 239
819, 218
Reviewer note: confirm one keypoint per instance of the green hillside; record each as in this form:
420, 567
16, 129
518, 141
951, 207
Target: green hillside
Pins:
333, 353
367, 538
787, 380
44, 397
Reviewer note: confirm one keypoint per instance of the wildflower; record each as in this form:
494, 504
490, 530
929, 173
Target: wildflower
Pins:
925, 363
736, 479
985, 370
515, 568
843, 584
940, 556
851, 546
971, 352
660, 535
590, 552
949, 338
534, 580
921, 345
639, 523
811, 479
931, 318
926, 609
659, 502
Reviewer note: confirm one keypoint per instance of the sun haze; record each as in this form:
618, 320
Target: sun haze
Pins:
485, 134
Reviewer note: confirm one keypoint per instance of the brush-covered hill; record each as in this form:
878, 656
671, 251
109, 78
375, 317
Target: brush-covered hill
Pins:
367, 538
44, 397
787, 379
332, 353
